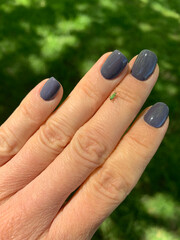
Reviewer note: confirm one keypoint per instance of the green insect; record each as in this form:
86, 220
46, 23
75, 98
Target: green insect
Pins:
113, 96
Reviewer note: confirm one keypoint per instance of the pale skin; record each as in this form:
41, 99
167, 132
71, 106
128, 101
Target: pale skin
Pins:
45, 156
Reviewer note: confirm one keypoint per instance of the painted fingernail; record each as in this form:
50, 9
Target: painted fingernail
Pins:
144, 65
114, 65
50, 89
157, 114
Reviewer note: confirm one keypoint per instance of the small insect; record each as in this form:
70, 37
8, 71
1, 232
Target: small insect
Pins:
113, 96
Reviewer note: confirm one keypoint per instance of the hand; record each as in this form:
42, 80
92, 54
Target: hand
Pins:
44, 157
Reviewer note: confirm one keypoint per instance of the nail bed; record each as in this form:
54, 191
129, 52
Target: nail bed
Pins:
157, 115
144, 65
114, 65
50, 89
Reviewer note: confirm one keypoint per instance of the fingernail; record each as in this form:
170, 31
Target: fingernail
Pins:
157, 114
144, 65
50, 89
114, 65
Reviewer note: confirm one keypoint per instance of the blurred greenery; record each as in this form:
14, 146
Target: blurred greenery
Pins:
41, 38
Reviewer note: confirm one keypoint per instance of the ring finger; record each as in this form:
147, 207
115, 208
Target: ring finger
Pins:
27, 118
53, 136
109, 185
90, 146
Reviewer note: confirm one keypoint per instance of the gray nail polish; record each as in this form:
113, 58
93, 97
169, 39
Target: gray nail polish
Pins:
114, 65
50, 89
157, 114
144, 65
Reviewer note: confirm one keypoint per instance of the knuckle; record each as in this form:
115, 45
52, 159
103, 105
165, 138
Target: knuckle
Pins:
139, 145
90, 91
45, 235
55, 135
112, 185
27, 110
127, 96
8, 226
88, 145
7, 146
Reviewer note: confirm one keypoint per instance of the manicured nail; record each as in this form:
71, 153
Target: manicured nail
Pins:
114, 65
144, 65
157, 114
50, 89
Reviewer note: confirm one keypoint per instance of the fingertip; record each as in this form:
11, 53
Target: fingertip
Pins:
156, 116
50, 89
144, 66
132, 61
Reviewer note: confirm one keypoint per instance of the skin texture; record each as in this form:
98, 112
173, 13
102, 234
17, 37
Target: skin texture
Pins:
45, 156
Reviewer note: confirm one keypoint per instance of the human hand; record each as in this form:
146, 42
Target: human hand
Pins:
44, 157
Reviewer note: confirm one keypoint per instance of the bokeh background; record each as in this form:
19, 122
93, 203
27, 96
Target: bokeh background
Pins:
64, 38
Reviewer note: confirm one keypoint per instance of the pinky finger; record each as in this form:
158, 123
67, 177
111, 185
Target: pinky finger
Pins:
109, 185
33, 110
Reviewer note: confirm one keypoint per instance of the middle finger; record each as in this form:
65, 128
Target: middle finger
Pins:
56, 133
89, 148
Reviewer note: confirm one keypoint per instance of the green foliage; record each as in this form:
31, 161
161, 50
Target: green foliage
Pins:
44, 38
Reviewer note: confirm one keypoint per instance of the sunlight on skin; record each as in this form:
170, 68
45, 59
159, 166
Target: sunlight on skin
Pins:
157, 233
53, 40
162, 206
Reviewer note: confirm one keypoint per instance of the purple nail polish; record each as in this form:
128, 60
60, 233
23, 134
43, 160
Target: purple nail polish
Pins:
50, 89
157, 115
114, 65
144, 65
